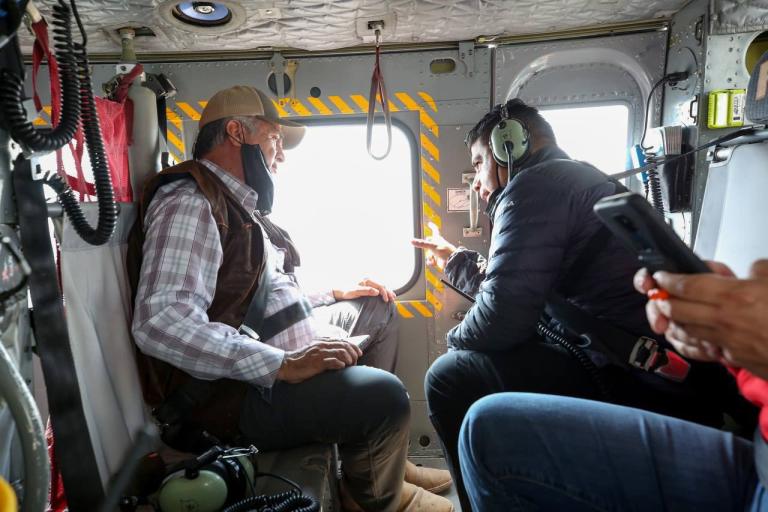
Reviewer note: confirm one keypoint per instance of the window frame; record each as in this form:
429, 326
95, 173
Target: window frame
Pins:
410, 136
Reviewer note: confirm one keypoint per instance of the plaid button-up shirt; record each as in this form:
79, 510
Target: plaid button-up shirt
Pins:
182, 256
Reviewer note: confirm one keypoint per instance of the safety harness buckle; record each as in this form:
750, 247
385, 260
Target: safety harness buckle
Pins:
648, 356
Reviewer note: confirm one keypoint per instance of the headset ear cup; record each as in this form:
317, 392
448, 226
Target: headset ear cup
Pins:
509, 132
497, 145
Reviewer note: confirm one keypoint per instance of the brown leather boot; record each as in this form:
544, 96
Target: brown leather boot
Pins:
416, 499
412, 499
433, 480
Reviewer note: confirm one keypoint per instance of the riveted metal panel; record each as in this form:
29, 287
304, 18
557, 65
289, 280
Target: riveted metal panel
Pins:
724, 68
598, 70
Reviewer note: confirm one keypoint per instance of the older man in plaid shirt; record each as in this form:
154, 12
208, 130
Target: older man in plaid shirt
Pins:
209, 256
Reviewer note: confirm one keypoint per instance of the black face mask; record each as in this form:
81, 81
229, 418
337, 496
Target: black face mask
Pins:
258, 177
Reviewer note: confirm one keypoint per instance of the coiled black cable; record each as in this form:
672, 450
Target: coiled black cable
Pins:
105, 194
12, 93
288, 501
581, 357
653, 189
79, 76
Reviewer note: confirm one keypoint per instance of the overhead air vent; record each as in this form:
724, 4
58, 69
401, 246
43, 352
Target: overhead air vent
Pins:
205, 18
202, 14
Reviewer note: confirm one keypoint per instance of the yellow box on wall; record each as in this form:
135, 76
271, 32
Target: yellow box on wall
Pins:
726, 108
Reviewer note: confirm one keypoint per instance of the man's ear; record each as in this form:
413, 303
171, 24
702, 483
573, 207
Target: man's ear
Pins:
235, 133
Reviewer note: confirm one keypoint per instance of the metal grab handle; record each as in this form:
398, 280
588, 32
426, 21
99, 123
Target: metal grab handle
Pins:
29, 426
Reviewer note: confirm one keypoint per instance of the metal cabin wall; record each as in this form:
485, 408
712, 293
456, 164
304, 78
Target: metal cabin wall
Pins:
438, 109
611, 69
720, 63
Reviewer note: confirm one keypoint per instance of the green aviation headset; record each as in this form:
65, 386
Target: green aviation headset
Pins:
510, 139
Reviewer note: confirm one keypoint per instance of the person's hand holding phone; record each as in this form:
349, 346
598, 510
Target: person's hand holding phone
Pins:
713, 316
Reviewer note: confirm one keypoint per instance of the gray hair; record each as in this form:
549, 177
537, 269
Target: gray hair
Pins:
215, 132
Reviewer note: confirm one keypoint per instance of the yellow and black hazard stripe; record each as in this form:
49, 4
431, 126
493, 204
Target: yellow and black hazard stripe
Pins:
429, 159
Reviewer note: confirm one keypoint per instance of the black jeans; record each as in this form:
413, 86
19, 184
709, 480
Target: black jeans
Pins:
365, 410
459, 378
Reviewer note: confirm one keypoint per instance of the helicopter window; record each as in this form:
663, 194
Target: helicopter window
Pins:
597, 134
350, 216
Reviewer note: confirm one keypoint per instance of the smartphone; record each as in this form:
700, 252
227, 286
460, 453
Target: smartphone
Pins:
457, 290
632, 219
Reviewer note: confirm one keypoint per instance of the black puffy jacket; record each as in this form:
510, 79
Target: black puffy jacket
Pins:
542, 221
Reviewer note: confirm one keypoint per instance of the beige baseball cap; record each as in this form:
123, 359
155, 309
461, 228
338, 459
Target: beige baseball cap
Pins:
244, 100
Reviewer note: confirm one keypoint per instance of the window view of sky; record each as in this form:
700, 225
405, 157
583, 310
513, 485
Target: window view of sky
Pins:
349, 215
595, 134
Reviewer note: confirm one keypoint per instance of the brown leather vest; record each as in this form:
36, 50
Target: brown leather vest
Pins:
243, 245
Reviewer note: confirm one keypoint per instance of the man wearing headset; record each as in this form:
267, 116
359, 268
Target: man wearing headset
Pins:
545, 241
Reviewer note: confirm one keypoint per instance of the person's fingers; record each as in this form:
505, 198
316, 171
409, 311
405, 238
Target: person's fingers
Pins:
690, 352
351, 350
422, 243
696, 287
720, 268
392, 295
678, 333
656, 320
759, 270
687, 312
431, 260
358, 351
331, 363
643, 281
339, 353
383, 292
704, 335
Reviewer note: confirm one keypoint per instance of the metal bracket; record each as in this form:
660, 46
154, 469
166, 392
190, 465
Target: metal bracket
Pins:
277, 64
473, 231
467, 57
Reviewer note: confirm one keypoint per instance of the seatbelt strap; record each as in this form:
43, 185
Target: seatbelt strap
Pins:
625, 350
79, 469
285, 318
254, 316
162, 128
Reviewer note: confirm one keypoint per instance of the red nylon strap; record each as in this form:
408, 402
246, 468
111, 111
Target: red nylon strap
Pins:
42, 49
125, 83
378, 92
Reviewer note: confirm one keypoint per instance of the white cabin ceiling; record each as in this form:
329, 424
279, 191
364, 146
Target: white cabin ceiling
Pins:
326, 25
